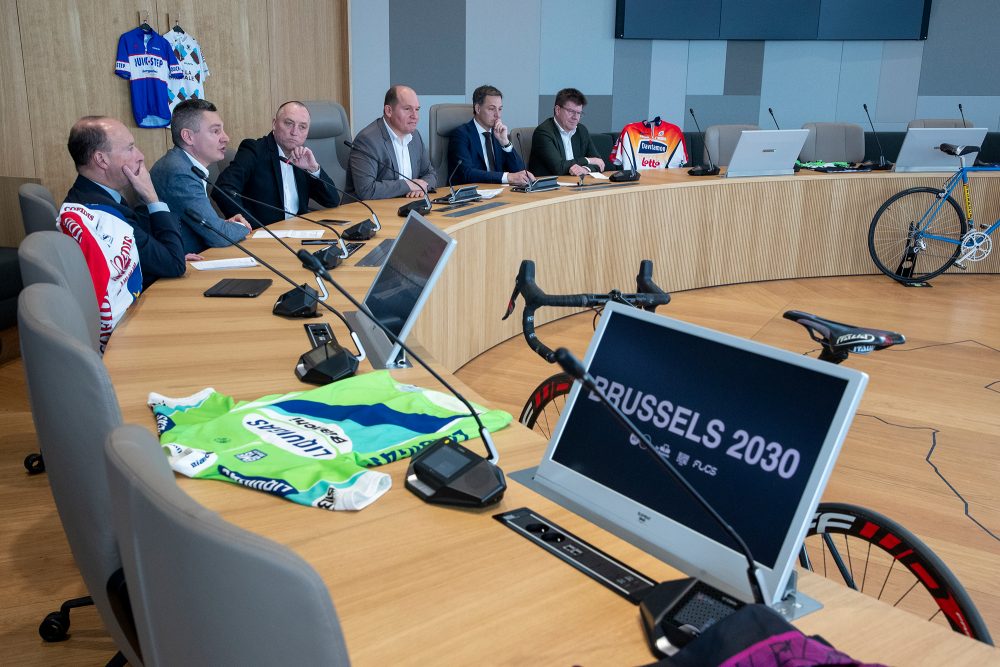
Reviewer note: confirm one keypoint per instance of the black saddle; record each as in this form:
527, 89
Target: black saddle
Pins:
952, 149
839, 339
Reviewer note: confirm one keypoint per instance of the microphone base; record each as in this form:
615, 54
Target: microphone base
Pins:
329, 257
626, 176
294, 303
446, 473
420, 206
325, 364
703, 171
363, 231
674, 613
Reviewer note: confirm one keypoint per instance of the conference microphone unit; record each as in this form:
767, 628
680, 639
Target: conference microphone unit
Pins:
702, 170
626, 176
667, 608
444, 472
362, 231
883, 164
465, 195
324, 363
421, 207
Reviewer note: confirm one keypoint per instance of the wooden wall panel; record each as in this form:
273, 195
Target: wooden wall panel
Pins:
309, 51
233, 36
15, 130
69, 60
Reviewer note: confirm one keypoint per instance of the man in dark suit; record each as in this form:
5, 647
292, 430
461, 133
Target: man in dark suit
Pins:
483, 145
394, 140
108, 163
262, 169
562, 145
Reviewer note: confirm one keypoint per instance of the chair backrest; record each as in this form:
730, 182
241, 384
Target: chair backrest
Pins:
38, 208
52, 257
721, 140
217, 168
522, 136
203, 591
939, 122
833, 142
327, 131
74, 408
443, 120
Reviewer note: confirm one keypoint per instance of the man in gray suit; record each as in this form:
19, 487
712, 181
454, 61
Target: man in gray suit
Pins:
199, 142
395, 141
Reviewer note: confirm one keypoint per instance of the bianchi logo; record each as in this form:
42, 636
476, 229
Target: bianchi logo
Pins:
646, 146
297, 435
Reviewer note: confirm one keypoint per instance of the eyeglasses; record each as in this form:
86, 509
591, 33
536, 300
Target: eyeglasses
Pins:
572, 112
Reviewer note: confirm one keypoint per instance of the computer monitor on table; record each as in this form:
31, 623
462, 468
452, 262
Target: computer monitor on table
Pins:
766, 153
920, 151
400, 289
755, 429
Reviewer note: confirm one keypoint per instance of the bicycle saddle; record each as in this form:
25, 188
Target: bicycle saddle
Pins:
839, 339
952, 149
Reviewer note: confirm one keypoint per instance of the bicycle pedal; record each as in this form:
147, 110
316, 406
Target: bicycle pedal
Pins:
960, 265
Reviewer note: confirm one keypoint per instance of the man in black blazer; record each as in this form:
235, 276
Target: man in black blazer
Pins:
108, 163
483, 145
562, 145
261, 171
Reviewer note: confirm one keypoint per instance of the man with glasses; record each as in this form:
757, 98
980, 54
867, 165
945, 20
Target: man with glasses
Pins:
561, 144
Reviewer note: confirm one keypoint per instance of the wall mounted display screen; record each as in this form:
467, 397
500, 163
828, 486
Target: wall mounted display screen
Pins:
772, 19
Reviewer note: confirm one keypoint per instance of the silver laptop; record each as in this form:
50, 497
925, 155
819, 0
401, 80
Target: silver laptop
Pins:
766, 153
400, 289
754, 428
920, 148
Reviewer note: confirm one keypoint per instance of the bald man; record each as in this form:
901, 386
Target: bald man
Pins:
261, 171
395, 141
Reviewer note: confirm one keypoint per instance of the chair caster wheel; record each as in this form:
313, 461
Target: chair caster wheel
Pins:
34, 464
55, 627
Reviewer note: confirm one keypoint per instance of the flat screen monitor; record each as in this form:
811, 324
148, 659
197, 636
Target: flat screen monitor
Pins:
920, 152
755, 429
766, 153
401, 287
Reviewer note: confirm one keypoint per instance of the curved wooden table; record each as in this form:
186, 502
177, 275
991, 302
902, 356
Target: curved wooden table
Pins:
417, 584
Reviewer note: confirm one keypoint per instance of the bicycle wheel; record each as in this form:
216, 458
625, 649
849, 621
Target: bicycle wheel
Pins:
876, 556
915, 235
542, 410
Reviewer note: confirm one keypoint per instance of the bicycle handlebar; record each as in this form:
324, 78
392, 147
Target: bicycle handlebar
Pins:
648, 296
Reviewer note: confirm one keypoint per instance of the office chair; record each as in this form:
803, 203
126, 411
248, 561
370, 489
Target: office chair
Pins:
38, 208
204, 591
74, 408
327, 131
833, 142
523, 145
444, 118
720, 142
939, 122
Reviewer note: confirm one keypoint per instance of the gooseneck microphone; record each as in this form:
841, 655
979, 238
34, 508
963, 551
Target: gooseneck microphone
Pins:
771, 111
883, 164
423, 208
962, 114
626, 176
363, 230
524, 159
701, 170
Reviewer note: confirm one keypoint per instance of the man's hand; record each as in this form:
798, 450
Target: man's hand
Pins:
304, 158
578, 170
415, 190
598, 161
193, 257
239, 220
141, 183
520, 177
501, 133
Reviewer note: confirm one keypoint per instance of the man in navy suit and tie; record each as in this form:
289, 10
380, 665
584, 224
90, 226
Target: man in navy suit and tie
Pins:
483, 145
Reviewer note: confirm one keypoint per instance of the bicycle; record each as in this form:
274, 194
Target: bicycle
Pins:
878, 542
921, 232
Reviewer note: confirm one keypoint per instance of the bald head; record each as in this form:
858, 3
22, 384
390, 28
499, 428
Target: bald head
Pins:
291, 125
402, 109
101, 147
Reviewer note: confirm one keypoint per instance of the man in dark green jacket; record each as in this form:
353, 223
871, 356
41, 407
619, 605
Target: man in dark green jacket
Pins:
561, 144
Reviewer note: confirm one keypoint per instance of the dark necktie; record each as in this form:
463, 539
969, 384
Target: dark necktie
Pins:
491, 163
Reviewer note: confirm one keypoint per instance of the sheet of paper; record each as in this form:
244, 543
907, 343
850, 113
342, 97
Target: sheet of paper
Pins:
598, 175
215, 264
490, 193
290, 234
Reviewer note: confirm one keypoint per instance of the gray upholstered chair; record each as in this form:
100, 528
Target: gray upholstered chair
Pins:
52, 257
444, 118
522, 136
74, 408
38, 208
833, 142
327, 131
720, 142
939, 122
217, 168
205, 592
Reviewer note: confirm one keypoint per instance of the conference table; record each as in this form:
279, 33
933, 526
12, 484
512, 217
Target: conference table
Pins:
415, 583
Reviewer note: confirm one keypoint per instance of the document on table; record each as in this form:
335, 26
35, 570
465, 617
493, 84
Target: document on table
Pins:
290, 234
215, 264
490, 193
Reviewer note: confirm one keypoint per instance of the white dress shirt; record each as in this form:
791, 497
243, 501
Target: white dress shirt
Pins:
401, 146
567, 139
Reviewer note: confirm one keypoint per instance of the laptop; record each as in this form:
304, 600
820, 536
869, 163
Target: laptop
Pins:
766, 153
400, 289
754, 428
919, 151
